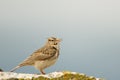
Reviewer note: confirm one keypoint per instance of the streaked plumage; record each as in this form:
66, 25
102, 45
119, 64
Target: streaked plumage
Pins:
43, 57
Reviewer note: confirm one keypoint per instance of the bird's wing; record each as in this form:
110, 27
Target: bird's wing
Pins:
44, 53
40, 54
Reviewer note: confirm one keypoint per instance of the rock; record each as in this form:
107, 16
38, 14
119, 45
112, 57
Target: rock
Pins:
1, 70
64, 75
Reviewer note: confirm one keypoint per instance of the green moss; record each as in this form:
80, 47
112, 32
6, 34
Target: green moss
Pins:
13, 79
41, 78
68, 77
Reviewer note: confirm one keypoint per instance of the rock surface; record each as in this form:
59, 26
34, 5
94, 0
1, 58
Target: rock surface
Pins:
1, 70
64, 75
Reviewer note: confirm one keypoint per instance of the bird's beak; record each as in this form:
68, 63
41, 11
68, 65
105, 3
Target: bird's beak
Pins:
59, 40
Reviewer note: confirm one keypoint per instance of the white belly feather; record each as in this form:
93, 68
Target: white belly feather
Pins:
44, 64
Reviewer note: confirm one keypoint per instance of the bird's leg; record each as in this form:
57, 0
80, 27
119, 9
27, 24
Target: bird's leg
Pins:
42, 72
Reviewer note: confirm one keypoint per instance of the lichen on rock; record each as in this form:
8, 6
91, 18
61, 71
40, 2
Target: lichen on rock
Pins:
64, 75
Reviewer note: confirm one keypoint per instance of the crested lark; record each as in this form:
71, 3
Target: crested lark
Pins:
43, 57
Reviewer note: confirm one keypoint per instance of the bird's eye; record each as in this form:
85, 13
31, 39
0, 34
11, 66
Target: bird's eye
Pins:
51, 40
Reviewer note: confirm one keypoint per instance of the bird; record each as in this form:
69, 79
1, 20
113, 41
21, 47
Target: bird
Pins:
44, 57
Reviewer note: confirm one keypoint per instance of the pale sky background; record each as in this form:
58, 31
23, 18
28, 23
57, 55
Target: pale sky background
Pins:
90, 30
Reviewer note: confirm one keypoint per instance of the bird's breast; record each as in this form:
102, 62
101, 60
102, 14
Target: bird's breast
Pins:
44, 63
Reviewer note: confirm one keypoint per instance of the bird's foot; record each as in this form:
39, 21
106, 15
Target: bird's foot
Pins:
42, 72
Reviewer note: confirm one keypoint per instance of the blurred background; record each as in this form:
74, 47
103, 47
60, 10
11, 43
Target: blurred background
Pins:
90, 30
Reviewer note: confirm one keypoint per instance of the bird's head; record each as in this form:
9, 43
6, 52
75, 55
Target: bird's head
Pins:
52, 41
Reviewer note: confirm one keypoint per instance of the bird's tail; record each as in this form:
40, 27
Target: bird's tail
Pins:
15, 68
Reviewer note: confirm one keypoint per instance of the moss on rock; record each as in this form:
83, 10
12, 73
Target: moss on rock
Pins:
65, 75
